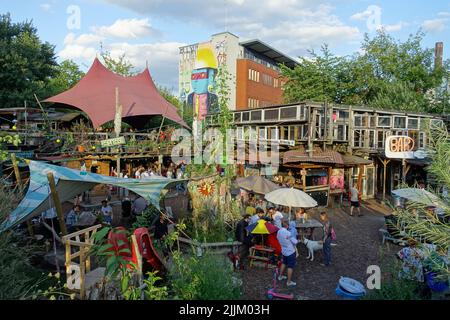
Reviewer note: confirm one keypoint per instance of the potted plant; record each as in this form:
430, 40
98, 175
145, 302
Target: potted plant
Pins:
436, 272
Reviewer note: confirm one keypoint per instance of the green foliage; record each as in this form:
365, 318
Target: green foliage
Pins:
67, 74
204, 278
418, 222
7, 139
387, 74
121, 65
26, 62
394, 287
153, 292
146, 218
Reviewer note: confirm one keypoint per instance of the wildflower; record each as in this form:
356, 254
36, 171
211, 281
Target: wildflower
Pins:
57, 275
52, 297
49, 275
72, 296
65, 286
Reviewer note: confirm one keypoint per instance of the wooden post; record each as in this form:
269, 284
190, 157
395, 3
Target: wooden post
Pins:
58, 207
82, 274
385, 163
350, 131
20, 185
360, 174
404, 170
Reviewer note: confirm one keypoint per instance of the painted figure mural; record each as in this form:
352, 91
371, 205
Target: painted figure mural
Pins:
202, 98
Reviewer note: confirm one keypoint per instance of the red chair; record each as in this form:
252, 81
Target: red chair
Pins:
114, 238
150, 258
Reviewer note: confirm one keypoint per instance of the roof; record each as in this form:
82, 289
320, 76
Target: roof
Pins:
70, 183
318, 156
95, 95
355, 161
264, 49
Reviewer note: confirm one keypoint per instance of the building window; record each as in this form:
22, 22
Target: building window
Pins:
422, 140
342, 114
245, 116
357, 137
284, 133
384, 121
380, 139
240, 133
413, 124
372, 142
253, 75
267, 80
272, 133
262, 133
340, 133
237, 117
360, 120
271, 115
373, 121
399, 122
275, 83
288, 113
256, 115
291, 133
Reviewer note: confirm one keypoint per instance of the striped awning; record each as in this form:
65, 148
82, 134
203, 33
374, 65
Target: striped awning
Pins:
69, 184
318, 156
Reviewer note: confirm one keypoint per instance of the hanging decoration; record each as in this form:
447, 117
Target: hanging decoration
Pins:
206, 189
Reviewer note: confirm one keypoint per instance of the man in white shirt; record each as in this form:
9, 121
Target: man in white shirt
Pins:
107, 212
287, 243
354, 200
145, 174
276, 216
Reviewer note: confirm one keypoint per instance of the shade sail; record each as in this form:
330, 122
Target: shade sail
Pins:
69, 184
95, 94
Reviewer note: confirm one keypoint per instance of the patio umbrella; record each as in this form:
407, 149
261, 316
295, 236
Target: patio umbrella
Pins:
418, 195
262, 227
290, 197
257, 184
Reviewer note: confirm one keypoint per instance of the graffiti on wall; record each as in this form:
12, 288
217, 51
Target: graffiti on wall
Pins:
202, 97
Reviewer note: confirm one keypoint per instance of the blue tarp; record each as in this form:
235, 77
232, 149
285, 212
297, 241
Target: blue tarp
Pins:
69, 184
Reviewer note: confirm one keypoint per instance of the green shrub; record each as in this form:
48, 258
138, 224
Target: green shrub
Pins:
146, 218
209, 277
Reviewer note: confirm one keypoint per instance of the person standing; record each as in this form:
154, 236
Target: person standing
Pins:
107, 212
258, 216
72, 218
276, 216
241, 235
326, 238
354, 200
288, 252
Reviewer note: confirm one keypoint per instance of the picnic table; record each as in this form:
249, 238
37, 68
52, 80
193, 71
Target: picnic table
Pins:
307, 228
260, 253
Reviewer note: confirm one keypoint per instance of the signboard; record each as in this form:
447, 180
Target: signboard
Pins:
112, 142
399, 147
279, 141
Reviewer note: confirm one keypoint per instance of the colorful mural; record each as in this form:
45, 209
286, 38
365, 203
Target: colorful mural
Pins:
202, 97
337, 179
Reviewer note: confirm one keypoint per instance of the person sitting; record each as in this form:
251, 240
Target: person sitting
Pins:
258, 216
250, 209
161, 231
72, 218
107, 212
139, 205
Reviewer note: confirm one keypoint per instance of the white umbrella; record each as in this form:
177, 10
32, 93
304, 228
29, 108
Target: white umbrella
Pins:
290, 197
418, 195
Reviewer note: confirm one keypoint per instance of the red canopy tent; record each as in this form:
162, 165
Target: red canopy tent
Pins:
95, 95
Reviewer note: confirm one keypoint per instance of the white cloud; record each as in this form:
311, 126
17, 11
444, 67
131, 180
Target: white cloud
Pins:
45, 7
127, 28
435, 25
444, 14
366, 14
394, 27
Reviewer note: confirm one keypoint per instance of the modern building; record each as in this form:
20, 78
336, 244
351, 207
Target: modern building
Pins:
253, 67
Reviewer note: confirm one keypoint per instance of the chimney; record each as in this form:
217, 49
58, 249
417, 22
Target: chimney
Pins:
438, 54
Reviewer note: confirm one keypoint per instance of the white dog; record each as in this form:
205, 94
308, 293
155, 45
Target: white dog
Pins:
312, 246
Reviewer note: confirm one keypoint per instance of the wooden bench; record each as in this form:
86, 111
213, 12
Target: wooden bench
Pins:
387, 236
264, 256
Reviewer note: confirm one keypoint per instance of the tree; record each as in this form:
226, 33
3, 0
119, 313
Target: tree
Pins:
387, 74
67, 75
121, 65
26, 63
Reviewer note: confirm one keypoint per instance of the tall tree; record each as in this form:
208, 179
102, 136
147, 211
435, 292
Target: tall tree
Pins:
26, 63
67, 75
387, 74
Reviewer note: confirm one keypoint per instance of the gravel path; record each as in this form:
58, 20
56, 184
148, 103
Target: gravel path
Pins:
358, 246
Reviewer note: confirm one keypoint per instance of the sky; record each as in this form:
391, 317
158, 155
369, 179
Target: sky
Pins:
151, 31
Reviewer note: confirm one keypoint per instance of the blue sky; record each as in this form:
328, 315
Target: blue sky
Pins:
152, 30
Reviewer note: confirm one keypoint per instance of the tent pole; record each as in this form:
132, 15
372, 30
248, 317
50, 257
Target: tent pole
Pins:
58, 207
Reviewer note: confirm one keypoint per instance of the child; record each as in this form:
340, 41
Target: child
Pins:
106, 212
